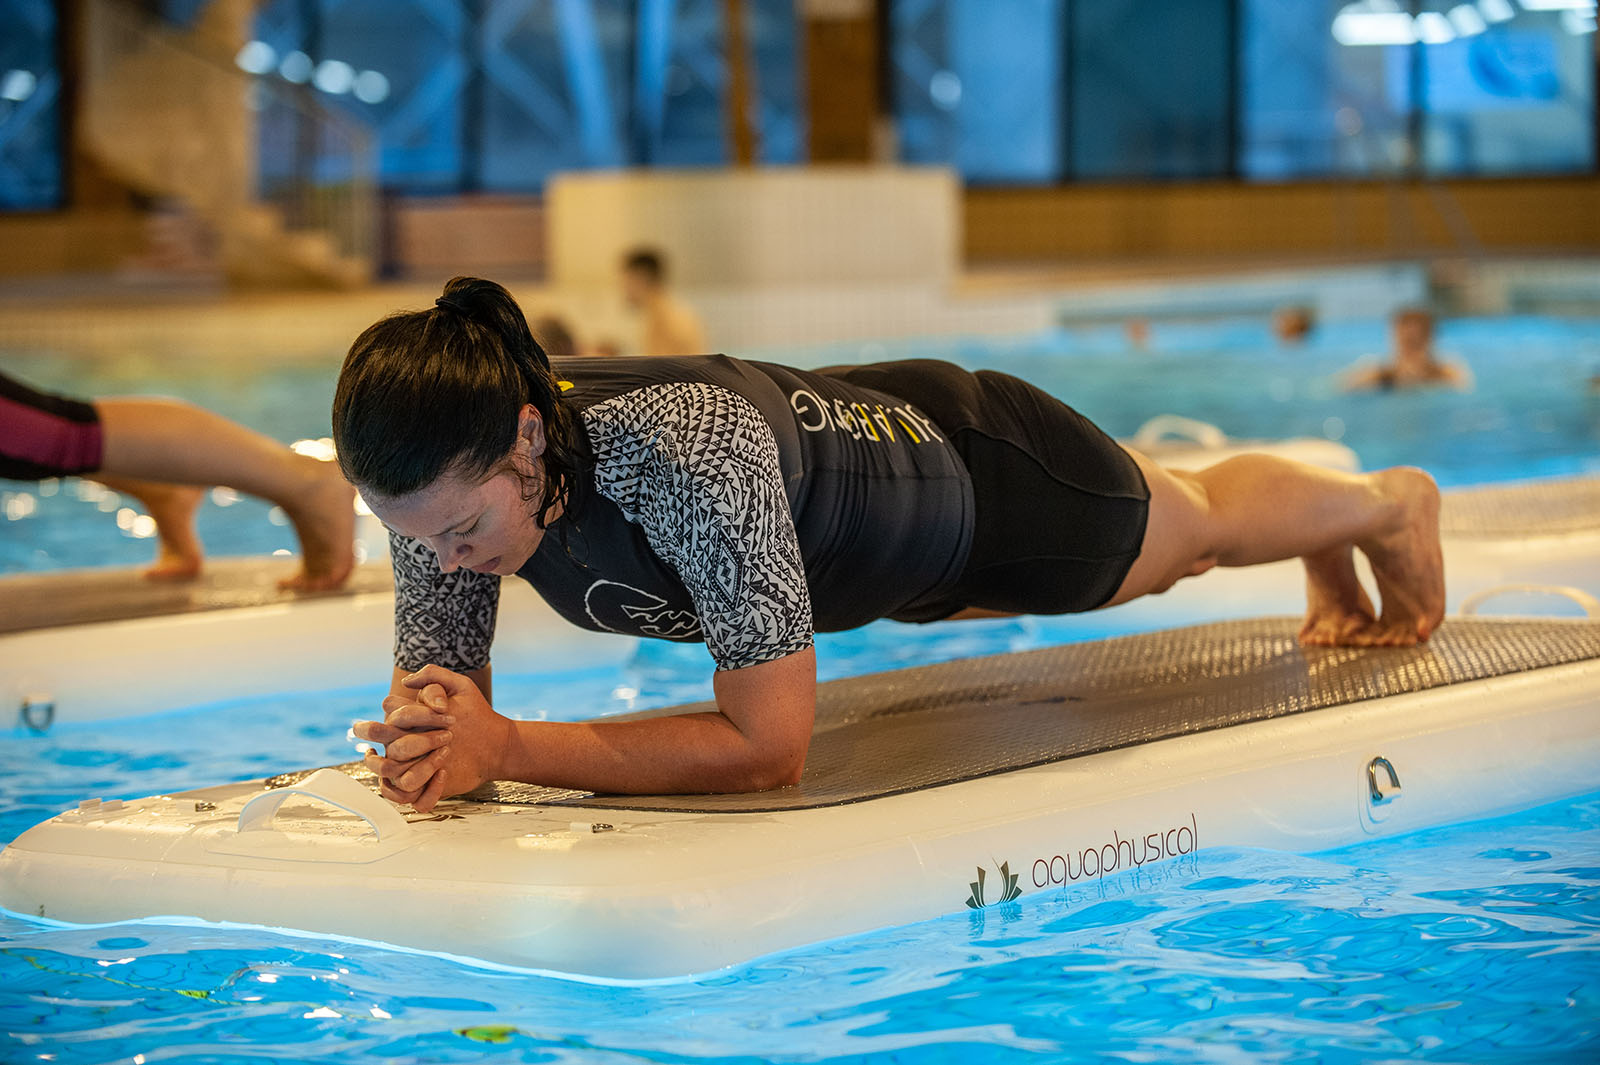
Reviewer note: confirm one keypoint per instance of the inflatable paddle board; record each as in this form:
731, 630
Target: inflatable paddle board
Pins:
963, 786
1181, 443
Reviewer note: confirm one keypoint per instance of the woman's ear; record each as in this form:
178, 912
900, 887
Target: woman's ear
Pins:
529, 444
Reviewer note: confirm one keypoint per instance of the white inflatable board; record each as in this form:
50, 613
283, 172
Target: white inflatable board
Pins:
1181, 443
961, 785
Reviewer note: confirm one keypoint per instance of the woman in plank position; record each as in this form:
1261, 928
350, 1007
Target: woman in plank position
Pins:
749, 506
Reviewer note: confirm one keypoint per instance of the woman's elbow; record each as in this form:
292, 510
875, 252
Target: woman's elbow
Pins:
773, 769
788, 773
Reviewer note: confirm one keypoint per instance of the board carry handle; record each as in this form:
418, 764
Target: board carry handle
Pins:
1162, 426
1473, 603
335, 789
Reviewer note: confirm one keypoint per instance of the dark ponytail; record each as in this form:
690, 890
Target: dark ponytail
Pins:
426, 392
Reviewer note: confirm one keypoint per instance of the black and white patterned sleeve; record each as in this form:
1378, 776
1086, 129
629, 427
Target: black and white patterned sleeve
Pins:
442, 619
696, 467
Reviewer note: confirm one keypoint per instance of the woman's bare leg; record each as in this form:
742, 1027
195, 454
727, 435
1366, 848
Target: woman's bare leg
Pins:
1259, 508
167, 440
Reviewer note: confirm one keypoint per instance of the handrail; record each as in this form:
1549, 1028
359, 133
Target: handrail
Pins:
180, 121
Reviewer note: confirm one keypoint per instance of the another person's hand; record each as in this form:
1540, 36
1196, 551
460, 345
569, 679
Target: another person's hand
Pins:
446, 742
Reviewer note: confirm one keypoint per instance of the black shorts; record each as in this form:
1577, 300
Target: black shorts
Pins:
1059, 507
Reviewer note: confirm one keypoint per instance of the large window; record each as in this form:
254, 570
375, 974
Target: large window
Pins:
1492, 87
30, 107
1050, 90
496, 95
979, 84
1151, 89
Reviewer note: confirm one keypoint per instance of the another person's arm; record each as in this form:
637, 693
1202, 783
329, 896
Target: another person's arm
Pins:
1364, 376
1458, 375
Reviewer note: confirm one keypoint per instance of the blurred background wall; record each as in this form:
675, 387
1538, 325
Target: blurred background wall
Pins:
331, 142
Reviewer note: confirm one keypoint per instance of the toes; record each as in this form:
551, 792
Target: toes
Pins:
171, 572
1399, 633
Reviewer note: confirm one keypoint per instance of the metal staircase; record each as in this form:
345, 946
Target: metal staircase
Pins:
167, 115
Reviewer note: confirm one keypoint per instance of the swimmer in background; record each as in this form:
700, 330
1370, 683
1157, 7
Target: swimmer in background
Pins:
1414, 363
162, 452
553, 335
1293, 324
1137, 330
671, 327
559, 342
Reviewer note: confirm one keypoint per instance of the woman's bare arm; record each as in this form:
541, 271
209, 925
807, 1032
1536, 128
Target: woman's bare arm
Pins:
755, 740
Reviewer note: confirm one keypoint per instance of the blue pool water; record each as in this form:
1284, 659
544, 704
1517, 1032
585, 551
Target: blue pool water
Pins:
1532, 414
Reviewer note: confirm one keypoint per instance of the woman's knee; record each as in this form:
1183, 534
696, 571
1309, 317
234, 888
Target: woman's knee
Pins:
1178, 540
1181, 504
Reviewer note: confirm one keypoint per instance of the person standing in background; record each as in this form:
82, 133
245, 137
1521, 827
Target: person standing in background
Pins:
671, 327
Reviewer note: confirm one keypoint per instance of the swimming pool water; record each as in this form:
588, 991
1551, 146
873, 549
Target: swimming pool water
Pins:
1474, 943
1532, 414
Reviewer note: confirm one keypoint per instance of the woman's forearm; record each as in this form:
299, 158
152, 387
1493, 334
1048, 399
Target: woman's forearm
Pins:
757, 741
692, 753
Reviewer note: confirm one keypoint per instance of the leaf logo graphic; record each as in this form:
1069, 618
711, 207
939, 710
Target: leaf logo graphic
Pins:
1008, 892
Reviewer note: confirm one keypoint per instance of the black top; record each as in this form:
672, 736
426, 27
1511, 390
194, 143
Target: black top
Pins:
740, 503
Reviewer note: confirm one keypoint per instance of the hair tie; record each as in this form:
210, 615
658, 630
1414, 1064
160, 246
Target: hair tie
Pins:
449, 303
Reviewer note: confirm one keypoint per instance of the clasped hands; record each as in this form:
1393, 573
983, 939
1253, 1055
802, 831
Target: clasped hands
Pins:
444, 740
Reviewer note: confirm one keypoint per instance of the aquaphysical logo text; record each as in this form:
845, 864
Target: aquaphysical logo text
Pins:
1117, 854
1093, 862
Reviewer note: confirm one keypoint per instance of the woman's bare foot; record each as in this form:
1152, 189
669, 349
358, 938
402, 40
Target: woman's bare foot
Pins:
1338, 611
173, 507
325, 520
1407, 561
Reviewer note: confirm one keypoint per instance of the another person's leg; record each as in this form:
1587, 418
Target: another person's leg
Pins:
55, 436
173, 507
178, 443
1259, 508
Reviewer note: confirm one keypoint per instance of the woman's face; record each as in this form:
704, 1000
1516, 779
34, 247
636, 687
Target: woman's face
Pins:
483, 524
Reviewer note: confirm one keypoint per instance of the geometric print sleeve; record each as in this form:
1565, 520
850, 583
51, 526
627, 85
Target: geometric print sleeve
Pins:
442, 619
696, 468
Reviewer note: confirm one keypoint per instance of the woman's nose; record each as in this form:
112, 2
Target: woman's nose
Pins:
451, 557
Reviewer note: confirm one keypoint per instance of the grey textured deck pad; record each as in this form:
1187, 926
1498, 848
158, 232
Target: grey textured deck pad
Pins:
1542, 508
79, 597
911, 729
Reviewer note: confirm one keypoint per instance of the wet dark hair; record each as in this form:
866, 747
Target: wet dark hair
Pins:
423, 393
646, 261
1416, 313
